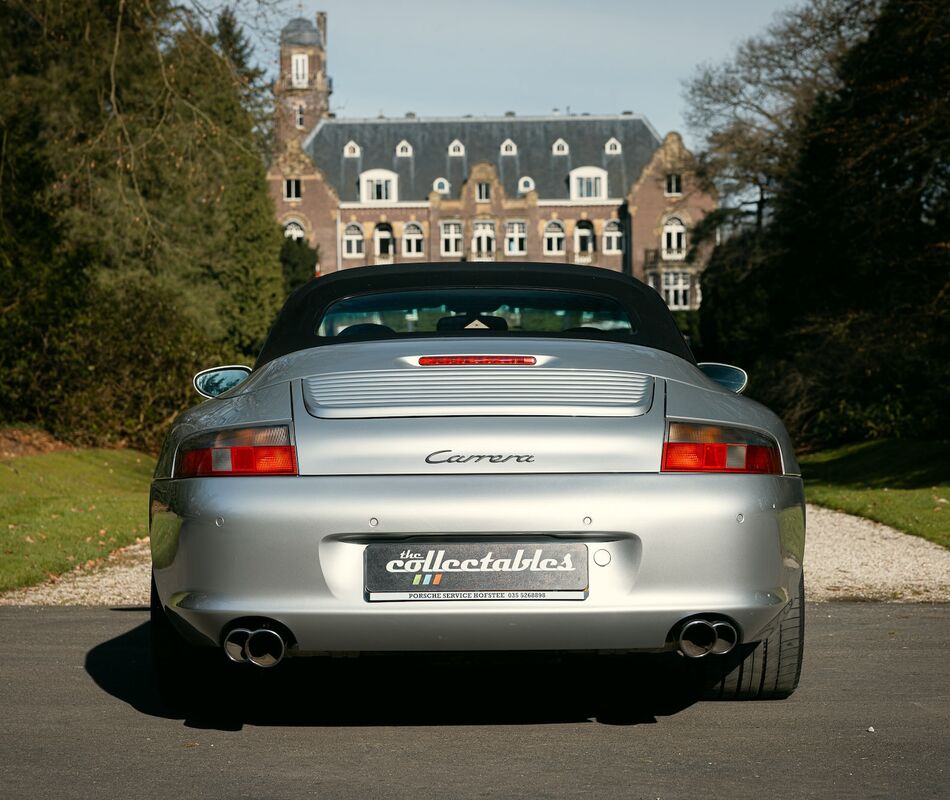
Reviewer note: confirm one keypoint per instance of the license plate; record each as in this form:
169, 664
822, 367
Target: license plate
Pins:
475, 571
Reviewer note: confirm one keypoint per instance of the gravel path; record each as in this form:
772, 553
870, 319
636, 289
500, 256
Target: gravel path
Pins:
846, 558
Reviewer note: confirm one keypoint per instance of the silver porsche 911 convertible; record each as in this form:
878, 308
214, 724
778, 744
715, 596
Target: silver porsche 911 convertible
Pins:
485, 457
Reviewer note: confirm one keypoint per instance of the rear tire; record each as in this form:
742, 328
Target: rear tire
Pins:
766, 670
183, 672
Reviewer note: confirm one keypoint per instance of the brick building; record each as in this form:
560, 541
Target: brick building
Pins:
601, 190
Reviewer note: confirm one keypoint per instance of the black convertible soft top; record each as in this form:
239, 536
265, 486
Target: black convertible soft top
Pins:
296, 325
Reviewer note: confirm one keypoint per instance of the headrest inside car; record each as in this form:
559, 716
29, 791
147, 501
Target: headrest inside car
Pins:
366, 329
472, 323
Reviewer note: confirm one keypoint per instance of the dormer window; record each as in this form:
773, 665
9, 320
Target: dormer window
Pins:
560, 148
613, 147
509, 148
456, 148
299, 70
351, 150
440, 185
404, 149
526, 185
674, 183
378, 186
483, 192
588, 183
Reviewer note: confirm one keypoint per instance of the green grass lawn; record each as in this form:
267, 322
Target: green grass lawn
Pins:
903, 484
59, 510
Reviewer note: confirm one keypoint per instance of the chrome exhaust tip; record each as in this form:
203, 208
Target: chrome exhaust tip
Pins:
727, 637
696, 638
265, 648
235, 643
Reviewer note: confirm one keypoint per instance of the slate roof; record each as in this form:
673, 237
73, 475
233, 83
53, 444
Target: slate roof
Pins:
482, 137
300, 31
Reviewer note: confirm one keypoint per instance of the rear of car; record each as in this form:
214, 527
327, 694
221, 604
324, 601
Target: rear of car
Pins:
438, 459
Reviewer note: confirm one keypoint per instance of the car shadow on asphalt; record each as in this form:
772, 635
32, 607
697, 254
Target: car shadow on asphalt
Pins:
412, 689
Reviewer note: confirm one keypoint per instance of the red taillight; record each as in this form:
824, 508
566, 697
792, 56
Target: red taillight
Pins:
692, 447
477, 361
238, 451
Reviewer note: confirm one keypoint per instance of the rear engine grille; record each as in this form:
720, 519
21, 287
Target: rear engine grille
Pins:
477, 391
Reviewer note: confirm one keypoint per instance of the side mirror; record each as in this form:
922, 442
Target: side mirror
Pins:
217, 380
733, 378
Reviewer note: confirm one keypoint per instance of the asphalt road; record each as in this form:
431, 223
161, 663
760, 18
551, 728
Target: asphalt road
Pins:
80, 719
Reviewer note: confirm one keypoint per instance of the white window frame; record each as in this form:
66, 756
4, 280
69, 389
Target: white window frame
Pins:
674, 184
584, 229
676, 288
553, 230
352, 150
404, 149
299, 110
612, 146
483, 240
673, 239
451, 233
299, 70
613, 237
588, 183
516, 237
293, 229
437, 181
293, 189
560, 148
456, 149
380, 234
413, 240
508, 148
525, 184
483, 192
353, 241
379, 181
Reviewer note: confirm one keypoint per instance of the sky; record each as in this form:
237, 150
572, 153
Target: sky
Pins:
486, 57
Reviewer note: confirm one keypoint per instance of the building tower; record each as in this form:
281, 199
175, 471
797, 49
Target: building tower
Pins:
303, 88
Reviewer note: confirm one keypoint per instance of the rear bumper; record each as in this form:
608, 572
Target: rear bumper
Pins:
291, 550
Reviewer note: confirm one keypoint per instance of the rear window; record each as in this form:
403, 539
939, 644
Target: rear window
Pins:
474, 310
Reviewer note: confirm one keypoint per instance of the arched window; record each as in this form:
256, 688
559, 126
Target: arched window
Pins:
456, 148
404, 149
674, 239
560, 148
294, 230
584, 241
412, 239
379, 186
613, 237
526, 184
351, 150
383, 243
509, 148
353, 241
613, 147
299, 70
588, 183
554, 238
440, 185
483, 240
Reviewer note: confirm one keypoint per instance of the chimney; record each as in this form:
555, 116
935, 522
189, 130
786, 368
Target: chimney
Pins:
322, 26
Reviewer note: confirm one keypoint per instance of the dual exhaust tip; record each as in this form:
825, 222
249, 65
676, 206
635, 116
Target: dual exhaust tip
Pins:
699, 637
262, 647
